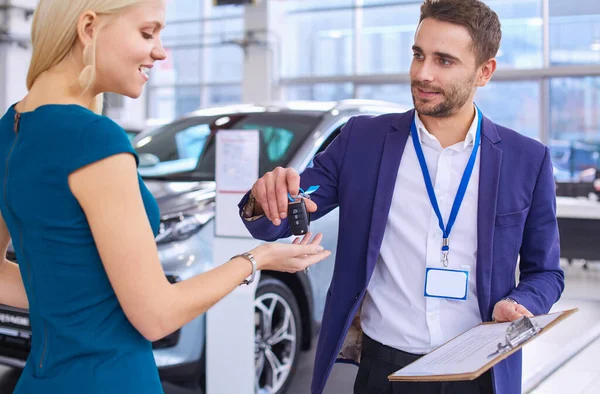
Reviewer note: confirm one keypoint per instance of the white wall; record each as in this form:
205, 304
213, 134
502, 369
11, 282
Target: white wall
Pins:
14, 60
132, 114
260, 77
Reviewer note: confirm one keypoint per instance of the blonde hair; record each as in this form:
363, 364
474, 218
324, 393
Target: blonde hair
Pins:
54, 32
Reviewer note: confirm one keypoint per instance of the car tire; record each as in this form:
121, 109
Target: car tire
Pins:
278, 335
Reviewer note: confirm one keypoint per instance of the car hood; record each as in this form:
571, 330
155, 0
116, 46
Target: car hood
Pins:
175, 197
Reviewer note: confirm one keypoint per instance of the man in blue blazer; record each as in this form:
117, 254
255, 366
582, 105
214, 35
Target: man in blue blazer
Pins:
436, 206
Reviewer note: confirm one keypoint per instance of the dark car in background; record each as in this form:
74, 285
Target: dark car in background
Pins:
575, 161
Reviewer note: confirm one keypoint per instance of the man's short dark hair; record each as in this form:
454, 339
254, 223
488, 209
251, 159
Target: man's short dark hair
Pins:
479, 19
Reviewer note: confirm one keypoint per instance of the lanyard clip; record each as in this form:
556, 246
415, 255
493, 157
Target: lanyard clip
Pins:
304, 193
445, 251
445, 258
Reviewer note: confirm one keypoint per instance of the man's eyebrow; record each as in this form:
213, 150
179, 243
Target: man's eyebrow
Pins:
446, 55
417, 48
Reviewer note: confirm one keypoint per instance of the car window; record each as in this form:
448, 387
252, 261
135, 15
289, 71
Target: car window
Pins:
189, 141
281, 135
573, 160
276, 140
173, 148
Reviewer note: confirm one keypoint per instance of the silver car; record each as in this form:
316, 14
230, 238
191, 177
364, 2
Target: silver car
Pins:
177, 162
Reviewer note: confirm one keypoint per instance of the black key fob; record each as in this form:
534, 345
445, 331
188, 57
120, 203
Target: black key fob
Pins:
298, 218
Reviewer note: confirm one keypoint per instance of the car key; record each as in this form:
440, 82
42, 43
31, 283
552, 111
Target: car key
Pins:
298, 217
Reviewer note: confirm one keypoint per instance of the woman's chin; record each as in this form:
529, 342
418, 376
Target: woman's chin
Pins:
131, 93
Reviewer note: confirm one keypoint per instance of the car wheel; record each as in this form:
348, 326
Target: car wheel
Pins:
277, 335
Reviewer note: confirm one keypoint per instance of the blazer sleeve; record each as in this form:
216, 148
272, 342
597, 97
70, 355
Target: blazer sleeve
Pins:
541, 278
325, 172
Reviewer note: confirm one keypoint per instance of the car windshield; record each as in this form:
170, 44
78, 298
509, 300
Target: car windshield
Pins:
186, 148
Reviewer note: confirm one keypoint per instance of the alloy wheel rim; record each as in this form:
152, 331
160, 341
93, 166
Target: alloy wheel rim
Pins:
275, 342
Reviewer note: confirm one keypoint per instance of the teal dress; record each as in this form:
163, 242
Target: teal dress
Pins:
82, 341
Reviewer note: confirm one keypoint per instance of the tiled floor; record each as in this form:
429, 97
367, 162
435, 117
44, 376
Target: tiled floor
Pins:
581, 374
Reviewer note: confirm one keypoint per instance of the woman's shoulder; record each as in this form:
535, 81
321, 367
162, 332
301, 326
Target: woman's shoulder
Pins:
79, 117
68, 119
78, 123
88, 136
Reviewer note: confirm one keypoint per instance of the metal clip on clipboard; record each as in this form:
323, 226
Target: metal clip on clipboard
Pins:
517, 332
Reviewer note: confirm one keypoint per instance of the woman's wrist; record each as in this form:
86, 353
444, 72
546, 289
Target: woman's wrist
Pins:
260, 256
250, 265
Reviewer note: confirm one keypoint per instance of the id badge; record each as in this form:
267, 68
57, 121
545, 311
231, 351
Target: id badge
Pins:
446, 283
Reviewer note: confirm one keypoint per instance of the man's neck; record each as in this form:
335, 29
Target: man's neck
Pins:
452, 129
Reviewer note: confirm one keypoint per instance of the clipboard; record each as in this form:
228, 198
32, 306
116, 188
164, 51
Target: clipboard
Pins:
471, 354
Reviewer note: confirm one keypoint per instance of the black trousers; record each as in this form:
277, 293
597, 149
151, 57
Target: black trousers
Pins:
379, 361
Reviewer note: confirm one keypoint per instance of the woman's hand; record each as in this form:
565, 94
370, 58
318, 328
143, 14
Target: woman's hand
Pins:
290, 258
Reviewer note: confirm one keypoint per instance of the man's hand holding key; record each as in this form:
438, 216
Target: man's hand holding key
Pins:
271, 194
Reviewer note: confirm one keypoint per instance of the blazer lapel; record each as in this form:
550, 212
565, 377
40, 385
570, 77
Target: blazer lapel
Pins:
489, 178
393, 148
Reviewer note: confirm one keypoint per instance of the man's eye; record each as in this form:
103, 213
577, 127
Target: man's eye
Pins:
445, 62
417, 56
147, 36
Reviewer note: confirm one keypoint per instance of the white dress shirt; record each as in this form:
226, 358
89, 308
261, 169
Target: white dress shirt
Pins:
395, 312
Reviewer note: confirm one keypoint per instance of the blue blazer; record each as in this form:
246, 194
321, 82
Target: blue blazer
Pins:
516, 216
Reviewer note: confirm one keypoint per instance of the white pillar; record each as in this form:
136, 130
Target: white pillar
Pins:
262, 60
230, 324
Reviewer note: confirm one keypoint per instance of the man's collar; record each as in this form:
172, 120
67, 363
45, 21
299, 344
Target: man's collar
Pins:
425, 135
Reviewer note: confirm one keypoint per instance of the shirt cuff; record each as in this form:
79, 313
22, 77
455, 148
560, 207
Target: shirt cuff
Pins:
248, 210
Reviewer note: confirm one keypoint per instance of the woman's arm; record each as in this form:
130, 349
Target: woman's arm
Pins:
12, 290
108, 191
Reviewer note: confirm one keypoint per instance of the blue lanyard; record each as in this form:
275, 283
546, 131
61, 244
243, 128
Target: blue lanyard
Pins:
460, 194
304, 193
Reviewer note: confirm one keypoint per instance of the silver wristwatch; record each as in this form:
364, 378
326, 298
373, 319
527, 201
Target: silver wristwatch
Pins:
251, 259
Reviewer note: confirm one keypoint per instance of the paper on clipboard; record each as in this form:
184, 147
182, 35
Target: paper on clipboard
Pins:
470, 354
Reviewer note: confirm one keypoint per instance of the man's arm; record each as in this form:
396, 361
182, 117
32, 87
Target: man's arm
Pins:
325, 173
12, 290
541, 280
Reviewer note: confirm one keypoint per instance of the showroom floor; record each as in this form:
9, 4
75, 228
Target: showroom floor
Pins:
563, 360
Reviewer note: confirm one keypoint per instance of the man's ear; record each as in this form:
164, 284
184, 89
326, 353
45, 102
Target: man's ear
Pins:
487, 69
87, 24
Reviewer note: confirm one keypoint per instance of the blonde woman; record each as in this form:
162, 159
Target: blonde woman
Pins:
82, 221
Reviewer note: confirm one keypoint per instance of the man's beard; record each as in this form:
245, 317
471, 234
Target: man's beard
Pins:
453, 99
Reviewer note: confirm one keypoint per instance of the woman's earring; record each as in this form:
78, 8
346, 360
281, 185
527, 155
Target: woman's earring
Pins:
87, 74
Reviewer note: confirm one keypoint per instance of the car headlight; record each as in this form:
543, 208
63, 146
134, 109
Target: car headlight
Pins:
182, 225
